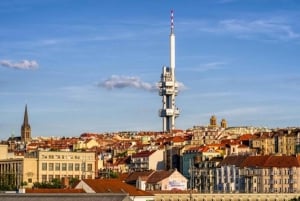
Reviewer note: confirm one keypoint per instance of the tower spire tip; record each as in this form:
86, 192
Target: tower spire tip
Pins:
172, 21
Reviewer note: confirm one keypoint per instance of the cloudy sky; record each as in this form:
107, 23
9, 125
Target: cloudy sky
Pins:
91, 66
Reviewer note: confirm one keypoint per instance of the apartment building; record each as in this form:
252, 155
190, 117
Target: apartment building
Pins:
285, 143
203, 174
264, 143
78, 165
271, 174
227, 175
148, 160
196, 154
43, 166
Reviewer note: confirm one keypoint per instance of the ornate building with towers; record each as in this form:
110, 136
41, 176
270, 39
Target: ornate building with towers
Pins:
25, 129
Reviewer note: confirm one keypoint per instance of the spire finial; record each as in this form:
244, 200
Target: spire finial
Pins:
26, 116
172, 21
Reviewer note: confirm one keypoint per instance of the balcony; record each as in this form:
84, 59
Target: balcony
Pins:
167, 91
166, 112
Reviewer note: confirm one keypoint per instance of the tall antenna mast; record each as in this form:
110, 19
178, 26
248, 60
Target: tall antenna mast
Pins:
168, 87
172, 21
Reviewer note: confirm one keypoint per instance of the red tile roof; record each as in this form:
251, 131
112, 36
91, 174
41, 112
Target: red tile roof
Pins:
159, 175
132, 177
271, 161
143, 154
245, 137
233, 160
114, 186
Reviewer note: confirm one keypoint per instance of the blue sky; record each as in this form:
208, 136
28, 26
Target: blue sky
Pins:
90, 66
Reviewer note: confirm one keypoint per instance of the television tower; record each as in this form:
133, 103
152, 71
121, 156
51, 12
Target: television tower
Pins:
168, 87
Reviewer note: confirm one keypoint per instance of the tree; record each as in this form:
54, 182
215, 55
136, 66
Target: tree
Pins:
55, 183
8, 181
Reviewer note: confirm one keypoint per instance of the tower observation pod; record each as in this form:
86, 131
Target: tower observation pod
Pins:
168, 87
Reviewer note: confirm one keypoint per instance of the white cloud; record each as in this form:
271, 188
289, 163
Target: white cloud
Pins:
119, 82
23, 65
273, 29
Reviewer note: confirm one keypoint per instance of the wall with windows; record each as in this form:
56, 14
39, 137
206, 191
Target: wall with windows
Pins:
18, 171
56, 165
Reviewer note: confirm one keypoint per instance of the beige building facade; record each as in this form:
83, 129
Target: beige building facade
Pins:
44, 166
19, 170
57, 165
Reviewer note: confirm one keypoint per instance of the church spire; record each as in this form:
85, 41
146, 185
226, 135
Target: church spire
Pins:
25, 122
25, 129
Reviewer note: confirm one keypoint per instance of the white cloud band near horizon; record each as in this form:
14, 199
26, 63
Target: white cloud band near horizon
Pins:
21, 65
119, 82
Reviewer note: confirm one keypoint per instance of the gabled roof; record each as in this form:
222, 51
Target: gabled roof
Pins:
159, 175
246, 137
178, 139
143, 154
114, 186
233, 160
132, 177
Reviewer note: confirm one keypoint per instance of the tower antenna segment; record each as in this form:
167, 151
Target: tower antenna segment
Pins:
172, 21
168, 87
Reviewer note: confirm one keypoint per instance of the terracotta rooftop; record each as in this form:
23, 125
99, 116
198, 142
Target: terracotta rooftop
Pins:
282, 161
159, 175
178, 139
132, 177
245, 137
114, 186
271, 161
143, 154
233, 160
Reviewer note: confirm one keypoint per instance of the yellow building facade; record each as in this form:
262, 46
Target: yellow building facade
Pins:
44, 166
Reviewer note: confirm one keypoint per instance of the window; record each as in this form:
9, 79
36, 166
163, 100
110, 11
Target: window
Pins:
89, 167
83, 167
70, 166
29, 180
57, 166
77, 166
44, 178
51, 166
50, 177
44, 166
57, 176
64, 166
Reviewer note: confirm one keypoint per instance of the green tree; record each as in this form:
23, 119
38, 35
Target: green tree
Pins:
8, 181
